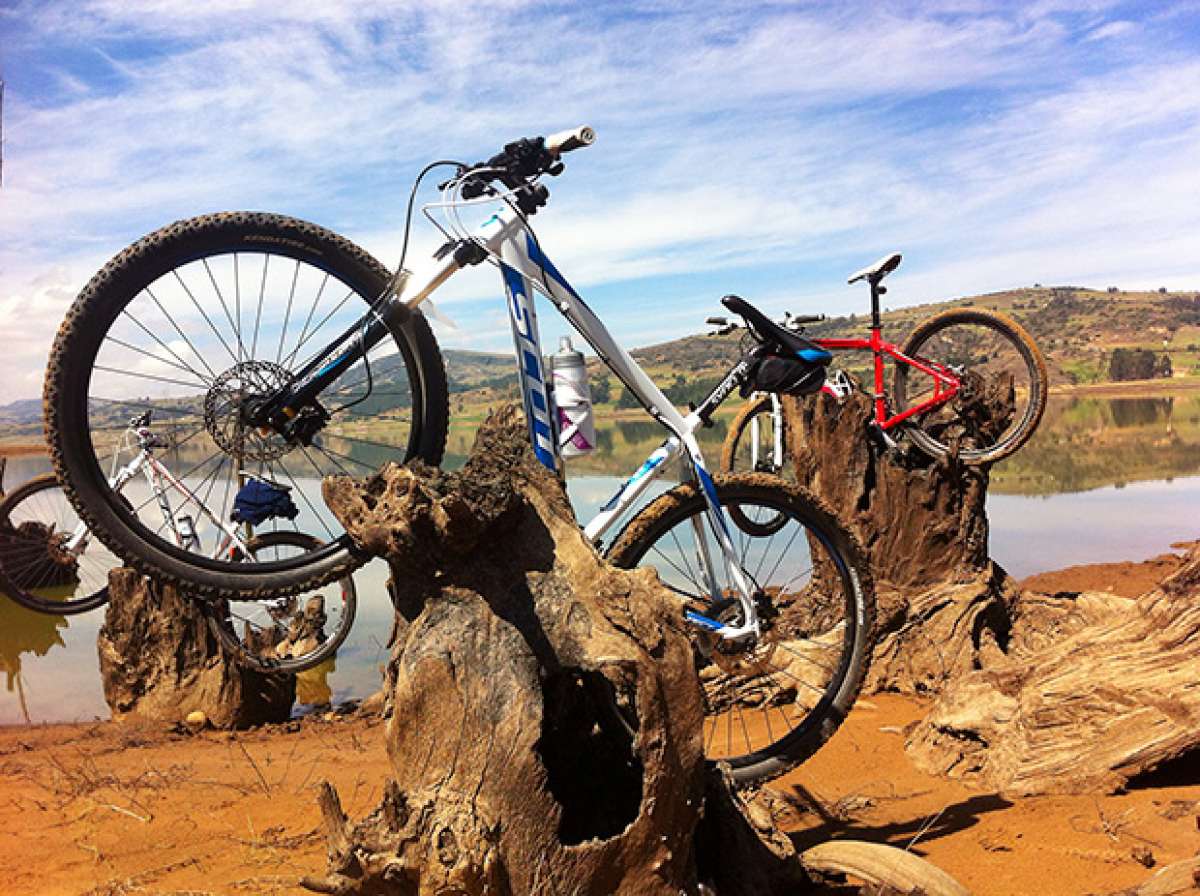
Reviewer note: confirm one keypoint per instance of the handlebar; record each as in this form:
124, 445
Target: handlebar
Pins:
523, 160
565, 141
789, 321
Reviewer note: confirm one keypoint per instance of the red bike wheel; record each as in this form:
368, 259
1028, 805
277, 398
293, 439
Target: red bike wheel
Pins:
993, 358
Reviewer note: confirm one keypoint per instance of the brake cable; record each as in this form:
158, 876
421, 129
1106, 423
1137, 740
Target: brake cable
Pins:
392, 282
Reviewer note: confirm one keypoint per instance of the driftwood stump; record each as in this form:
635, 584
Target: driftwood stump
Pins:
1096, 690
546, 726
943, 607
159, 661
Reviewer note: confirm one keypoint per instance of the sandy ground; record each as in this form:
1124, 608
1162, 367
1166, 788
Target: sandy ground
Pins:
22, 450
119, 809
862, 786
1125, 579
111, 809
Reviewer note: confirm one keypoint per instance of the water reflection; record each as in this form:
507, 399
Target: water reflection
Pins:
312, 685
23, 632
1056, 502
1127, 412
1087, 443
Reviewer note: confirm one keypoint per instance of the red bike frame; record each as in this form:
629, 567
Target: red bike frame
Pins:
945, 383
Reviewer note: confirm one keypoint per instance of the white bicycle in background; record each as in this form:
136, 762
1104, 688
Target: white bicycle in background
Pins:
278, 346
51, 563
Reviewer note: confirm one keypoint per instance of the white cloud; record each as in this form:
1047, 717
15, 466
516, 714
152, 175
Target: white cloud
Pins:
804, 141
1110, 30
30, 312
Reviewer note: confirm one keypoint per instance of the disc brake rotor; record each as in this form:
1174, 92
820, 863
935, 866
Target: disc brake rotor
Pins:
230, 394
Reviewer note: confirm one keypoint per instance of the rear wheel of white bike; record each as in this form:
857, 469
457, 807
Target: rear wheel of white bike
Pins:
193, 324
284, 634
770, 702
48, 562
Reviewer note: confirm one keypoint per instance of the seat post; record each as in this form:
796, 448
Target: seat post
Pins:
876, 292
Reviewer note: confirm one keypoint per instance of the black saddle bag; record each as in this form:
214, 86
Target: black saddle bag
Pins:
784, 376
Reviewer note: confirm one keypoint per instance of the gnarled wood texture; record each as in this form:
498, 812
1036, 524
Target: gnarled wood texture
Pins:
546, 714
1177, 879
1097, 689
159, 661
943, 607
880, 865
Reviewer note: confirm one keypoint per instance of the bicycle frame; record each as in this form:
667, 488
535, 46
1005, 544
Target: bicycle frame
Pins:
945, 383
157, 474
525, 268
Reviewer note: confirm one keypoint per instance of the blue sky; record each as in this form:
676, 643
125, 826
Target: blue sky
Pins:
765, 149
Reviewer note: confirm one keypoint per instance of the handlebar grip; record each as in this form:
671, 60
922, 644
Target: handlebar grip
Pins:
565, 141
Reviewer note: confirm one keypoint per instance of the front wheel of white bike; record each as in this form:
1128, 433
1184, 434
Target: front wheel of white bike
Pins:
194, 324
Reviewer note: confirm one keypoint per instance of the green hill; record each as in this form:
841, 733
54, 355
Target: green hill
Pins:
1077, 329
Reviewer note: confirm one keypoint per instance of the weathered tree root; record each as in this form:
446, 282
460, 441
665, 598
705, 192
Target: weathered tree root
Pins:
1111, 695
738, 850
387, 852
545, 734
546, 726
1176, 879
881, 866
943, 608
158, 660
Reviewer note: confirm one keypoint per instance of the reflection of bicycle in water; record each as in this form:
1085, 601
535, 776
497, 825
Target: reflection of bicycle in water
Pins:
50, 562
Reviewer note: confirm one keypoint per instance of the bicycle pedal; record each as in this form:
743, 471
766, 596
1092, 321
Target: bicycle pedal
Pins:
837, 384
881, 438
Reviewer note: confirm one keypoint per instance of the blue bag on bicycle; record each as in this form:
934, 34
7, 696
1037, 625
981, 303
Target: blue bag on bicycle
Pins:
259, 500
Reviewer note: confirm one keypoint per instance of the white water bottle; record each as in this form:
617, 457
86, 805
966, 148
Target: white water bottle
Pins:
573, 398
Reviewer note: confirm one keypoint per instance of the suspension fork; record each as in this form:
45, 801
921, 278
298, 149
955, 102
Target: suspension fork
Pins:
776, 436
718, 525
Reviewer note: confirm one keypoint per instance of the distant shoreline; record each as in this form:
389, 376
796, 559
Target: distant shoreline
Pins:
1132, 389
1156, 388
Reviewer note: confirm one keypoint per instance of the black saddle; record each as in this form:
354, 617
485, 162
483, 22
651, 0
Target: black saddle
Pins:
773, 334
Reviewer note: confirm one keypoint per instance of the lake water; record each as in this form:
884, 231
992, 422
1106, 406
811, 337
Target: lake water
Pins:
1104, 479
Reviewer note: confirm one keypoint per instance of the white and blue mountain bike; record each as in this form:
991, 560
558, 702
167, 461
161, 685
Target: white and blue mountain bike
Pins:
277, 347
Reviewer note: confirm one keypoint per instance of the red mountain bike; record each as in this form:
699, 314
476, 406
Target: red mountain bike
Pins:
940, 375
